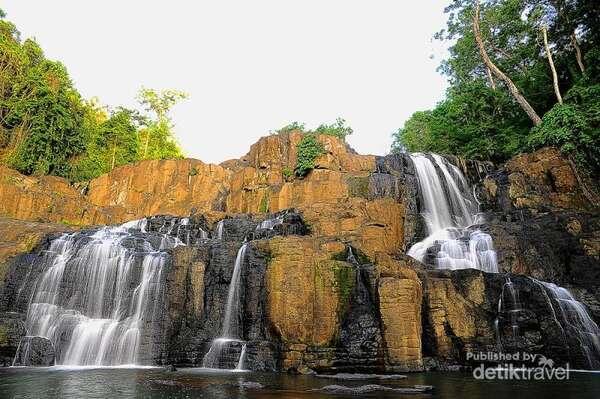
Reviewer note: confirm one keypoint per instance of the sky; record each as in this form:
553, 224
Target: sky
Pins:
250, 67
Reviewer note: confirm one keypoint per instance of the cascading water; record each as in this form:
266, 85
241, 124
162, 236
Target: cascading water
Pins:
230, 331
509, 307
269, 224
451, 215
220, 229
98, 296
577, 321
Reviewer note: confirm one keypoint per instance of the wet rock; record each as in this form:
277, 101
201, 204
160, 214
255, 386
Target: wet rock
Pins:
251, 385
12, 330
352, 377
35, 351
372, 388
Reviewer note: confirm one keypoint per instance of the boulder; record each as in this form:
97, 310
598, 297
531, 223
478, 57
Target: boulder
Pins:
35, 351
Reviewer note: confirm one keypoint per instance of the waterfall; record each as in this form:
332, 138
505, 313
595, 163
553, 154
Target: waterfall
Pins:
508, 304
220, 228
450, 212
177, 231
240, 365
269, 224
230, 330
569, 314
98, 295
577, 321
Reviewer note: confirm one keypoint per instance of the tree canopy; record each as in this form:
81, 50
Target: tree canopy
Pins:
480, 117
46, 127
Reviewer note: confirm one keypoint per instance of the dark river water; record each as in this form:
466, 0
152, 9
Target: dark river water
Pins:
197, 383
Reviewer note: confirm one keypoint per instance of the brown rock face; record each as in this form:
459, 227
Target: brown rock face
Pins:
333, 197
449, 308
186, 284
18, 236
307, 292
174, 187
346, 200
457, 314
400, 306
45, 199
400, 300
544, 178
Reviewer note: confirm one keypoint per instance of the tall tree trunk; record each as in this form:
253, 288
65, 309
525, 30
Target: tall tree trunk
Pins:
146, 143
577, 52
114, 156
499, 74
551, 62
491, 78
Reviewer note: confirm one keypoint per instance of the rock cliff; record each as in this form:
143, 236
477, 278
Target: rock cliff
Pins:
330, 287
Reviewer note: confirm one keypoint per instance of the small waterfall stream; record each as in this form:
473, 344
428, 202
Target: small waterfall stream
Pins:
577, 321
97, 299
269, 224
451, 215
509, 307
230, 331
220, 229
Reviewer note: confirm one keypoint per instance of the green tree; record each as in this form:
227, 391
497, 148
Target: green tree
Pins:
474, 121
44, 114
290, 127
47, 128
544, 48
574, 127
309, 149
157, 138
113, 141
338, 129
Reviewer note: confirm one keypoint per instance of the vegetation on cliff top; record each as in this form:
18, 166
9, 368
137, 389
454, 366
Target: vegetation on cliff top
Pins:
523, 74
46, 127
337, 129
309, 148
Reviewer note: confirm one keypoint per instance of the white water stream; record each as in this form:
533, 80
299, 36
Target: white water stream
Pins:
451, 215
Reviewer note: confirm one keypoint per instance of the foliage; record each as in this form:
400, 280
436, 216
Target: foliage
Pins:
309, 149
337, 129
160, 102
158, 141
478, 118
574, 127
41, 112
290, 127
474, 121
287, 174
47, 128
111, 142
264, 204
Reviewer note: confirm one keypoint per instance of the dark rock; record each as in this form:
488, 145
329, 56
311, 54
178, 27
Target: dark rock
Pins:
35, 351
251, 385
395, 177
12, 330
352, 377
372, 388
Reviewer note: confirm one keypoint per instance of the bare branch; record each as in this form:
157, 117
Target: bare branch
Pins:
512, 88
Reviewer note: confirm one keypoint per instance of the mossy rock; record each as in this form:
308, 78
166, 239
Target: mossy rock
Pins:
358, 186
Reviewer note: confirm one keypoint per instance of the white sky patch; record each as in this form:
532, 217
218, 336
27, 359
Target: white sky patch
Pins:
251, 66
